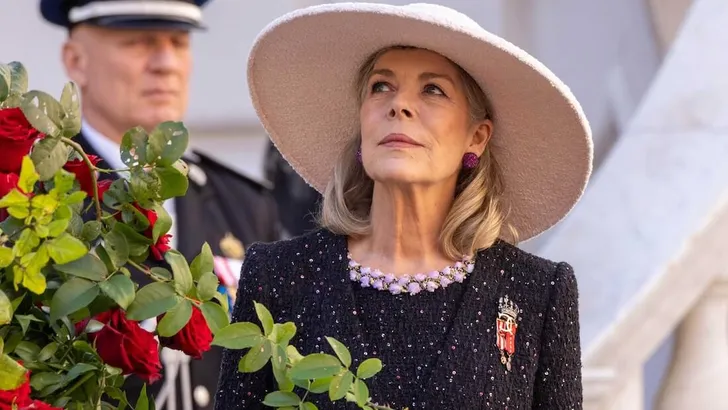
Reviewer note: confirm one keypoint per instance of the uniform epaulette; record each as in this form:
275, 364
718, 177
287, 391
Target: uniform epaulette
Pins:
209, 164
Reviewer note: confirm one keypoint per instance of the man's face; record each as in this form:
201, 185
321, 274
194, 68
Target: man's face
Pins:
130, 77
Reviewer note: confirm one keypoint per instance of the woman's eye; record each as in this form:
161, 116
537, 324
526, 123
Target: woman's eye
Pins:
433, 89
379, 87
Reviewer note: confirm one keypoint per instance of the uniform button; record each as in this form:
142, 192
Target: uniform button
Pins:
202, 396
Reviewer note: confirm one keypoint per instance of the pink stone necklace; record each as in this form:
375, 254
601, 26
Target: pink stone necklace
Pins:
412, 284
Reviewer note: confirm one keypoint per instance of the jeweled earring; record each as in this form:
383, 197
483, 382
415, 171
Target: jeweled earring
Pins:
470, 160
358, 155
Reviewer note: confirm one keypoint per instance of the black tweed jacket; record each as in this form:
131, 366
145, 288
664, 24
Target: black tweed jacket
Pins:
439, 348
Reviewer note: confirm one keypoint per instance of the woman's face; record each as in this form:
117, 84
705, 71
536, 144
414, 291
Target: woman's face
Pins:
415, 120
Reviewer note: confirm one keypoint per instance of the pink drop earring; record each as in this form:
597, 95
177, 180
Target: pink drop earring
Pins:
358, 155
470, 160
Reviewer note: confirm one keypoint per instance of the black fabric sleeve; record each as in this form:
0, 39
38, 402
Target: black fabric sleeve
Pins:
558, 383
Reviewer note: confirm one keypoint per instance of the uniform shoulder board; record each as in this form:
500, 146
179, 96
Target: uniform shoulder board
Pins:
211, 166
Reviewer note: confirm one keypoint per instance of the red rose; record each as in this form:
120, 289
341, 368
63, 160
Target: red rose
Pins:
103, 186
83, 174
162, 244
20, 397
161, 247
16, 138
194, 339
124, 344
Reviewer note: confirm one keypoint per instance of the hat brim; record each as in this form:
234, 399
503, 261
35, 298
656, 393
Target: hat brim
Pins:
301, 74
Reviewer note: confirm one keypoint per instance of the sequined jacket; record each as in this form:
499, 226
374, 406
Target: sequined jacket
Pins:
440, 349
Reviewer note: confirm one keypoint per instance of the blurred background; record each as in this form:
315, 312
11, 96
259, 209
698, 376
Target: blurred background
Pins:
649, 240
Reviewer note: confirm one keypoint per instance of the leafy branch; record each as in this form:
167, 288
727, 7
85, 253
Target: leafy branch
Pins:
316, 373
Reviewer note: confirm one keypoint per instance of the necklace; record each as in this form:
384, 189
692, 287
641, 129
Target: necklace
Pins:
412, 284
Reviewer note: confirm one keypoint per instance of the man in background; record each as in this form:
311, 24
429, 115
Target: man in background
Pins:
131, 60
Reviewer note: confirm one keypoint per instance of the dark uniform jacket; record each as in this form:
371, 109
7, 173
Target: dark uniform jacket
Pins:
227, 203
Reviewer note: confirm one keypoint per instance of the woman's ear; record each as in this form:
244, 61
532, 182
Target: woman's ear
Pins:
481, 136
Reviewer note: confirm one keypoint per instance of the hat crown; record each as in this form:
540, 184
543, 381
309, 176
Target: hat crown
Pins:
439, 12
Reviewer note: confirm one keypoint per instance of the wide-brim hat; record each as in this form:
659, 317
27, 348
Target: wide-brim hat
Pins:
129, 14
302, 71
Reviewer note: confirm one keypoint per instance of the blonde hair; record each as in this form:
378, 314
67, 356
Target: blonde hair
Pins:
476, 217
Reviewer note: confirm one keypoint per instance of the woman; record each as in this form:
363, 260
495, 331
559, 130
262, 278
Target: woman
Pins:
435, 145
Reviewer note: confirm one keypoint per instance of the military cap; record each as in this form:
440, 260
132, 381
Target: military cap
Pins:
152, 14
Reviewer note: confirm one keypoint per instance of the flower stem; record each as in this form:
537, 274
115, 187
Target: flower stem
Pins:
73, 144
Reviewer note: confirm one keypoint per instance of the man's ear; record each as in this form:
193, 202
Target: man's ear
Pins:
481, 136
75, 61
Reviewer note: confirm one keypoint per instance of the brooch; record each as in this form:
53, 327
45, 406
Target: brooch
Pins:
506, 327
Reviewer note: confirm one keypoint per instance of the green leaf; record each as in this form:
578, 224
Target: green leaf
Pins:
241, 335
43, 112
316, 365
309, 406
279, 362
175, 319
65, 248
15, 198
137, 243
203, 262
321, 385
33, 281
341, 351
62, 182
40, 381
48, 351
151, 301
281, 399
361, 392
216, 317
26, 243
173, 182
207, 286
340, 385
134, 147
266, 319
161, 273
283, 333
163, 224
19, 78
72, 296
57, 227
120, 289
293, 354
117, 248
89, 267
167, 143
12, 374
27, 351
28, 175
6, 308
49, 155
182, 275
368, 368
6, 256
70, 101
91, 230
5, 81
256, 358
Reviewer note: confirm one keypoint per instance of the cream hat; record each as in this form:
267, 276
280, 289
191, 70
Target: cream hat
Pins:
303, 66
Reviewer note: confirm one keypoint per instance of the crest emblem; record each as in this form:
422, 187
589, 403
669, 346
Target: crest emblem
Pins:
506, 326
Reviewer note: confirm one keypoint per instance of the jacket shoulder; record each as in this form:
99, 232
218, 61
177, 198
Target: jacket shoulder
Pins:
525, 266
216, 169
317, 246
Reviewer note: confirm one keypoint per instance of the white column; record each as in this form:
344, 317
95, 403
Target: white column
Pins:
698, 376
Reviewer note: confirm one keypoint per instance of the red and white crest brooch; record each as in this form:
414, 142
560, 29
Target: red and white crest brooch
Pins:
506, 326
